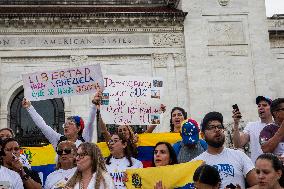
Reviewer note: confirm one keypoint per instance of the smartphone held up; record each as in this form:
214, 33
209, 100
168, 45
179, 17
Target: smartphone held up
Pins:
236, 109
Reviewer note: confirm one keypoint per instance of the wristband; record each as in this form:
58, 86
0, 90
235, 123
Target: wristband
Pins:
25, 177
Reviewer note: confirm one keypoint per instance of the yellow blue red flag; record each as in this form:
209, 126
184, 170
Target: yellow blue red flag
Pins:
145, 145
41, 159
172, 176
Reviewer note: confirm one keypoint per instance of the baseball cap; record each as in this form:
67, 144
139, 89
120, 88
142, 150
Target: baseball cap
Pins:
190, 131
263, 98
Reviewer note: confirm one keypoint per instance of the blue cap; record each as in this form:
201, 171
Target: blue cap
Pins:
190, 132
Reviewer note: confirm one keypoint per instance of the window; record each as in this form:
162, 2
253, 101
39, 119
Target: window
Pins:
28, 134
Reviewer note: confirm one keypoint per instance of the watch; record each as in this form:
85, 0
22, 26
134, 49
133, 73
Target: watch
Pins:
25, 177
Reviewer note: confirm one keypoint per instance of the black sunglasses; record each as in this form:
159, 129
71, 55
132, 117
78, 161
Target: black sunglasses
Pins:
66, 150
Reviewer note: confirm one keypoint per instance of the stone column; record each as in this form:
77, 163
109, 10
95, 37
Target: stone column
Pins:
228, 56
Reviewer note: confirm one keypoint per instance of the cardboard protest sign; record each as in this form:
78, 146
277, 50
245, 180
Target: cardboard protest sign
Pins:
64, 82
131, 100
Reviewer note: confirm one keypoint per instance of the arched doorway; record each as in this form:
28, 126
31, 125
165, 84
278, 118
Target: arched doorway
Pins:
21, 123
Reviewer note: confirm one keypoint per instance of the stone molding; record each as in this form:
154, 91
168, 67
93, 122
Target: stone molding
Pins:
34, 60
223, 2
160, 60
112, 23
78, 60
93, 30
168, 39
179, 60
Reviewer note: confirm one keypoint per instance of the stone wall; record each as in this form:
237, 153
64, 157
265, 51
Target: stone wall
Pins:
228, 56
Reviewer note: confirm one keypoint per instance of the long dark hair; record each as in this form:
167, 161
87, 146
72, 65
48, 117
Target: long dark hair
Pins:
183, 113
3, 145
126, 150
276, 164
173, 156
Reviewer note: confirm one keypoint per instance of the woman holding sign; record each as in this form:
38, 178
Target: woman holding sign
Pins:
74, 130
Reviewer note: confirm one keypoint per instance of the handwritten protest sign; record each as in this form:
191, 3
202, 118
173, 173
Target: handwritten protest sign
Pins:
60, 83
131, 100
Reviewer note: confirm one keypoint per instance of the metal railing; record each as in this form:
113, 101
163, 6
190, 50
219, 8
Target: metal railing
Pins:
83, 2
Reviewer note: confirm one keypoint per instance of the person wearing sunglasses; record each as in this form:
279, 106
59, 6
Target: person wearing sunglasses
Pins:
234, 166
91, 171
272, 136
65, 168
10, 153
120, 159
73, 127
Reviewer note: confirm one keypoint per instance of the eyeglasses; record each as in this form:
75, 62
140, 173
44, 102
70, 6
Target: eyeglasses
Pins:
214, 127
113, 141
81, 155
66, 150
15, 149
68, 123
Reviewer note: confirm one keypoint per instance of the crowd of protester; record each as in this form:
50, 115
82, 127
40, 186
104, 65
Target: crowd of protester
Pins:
80, 164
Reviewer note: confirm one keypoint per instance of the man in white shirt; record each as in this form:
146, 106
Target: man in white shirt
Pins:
234, 166
252, 130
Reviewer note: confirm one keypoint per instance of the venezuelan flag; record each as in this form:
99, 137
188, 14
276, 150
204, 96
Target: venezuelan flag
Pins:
41, 159
172, 176
145, 145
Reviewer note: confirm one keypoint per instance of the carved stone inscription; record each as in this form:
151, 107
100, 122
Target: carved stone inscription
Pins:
226, 33
73, 41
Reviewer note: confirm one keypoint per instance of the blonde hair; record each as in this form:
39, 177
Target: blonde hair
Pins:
73, 148
98, 165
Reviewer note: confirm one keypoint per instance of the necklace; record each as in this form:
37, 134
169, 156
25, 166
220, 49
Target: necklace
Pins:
81, 184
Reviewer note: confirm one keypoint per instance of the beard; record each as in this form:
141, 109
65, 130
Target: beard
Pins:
215, 144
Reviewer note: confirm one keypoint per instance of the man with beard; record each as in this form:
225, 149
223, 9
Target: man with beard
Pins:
234, 166
252, 130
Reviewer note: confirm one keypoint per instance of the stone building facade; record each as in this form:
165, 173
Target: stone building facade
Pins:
211, 53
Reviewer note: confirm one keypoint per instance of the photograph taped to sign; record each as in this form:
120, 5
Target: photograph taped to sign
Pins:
132, 100
61, 83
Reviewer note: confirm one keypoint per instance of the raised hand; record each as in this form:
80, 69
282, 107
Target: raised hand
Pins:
97, 98
159, 185
236, 116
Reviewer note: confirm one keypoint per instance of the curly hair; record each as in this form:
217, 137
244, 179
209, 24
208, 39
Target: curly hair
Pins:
98, 165
127, 150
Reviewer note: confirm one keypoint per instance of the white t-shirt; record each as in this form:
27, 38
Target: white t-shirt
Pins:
58, 178
108, 181
10, 179
117, 167
233, 165
253, 129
